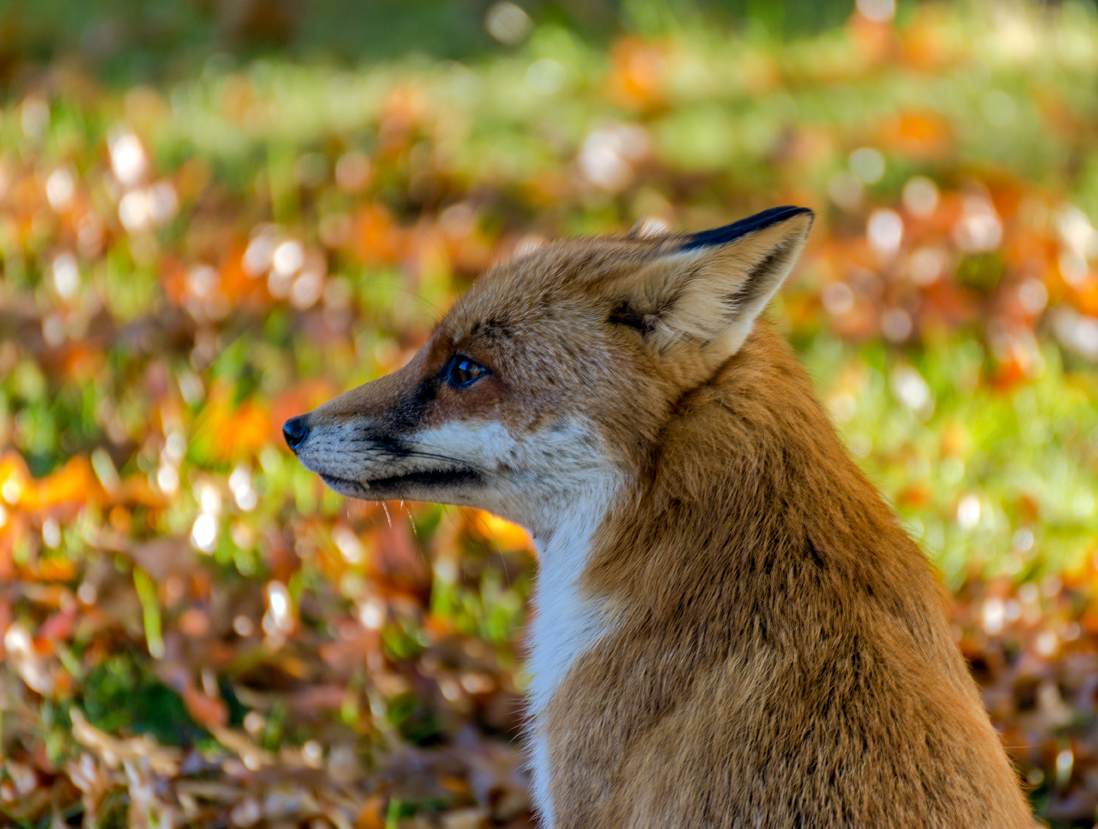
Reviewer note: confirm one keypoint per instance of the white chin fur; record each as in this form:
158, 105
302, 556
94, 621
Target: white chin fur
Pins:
529, 479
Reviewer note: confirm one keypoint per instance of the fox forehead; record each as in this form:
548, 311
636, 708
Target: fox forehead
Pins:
558, 279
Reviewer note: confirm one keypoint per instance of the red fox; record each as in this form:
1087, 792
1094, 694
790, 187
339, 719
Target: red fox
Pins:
731, 628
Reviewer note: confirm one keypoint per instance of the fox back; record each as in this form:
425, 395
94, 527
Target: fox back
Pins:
731, 629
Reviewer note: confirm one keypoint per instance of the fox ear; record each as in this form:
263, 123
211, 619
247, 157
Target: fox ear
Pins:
710, 287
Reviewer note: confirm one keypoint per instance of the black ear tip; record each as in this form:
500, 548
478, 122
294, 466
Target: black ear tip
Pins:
729, 233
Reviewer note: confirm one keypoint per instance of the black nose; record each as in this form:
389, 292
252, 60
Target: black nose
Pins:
295, 430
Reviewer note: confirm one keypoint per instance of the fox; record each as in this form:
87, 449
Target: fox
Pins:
730, 627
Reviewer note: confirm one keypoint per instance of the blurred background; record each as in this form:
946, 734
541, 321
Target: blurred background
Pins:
216, 215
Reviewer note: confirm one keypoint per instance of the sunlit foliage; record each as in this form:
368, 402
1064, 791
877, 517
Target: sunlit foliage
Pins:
194, 631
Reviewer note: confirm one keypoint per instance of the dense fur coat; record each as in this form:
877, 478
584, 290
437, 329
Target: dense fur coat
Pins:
781, 656
731, 630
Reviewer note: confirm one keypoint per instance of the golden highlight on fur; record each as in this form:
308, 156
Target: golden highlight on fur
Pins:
732, 629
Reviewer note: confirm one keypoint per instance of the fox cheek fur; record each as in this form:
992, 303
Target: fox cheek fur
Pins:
732, 629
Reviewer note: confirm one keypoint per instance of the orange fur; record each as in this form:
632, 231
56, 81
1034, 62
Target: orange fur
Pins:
733, 629
782, 657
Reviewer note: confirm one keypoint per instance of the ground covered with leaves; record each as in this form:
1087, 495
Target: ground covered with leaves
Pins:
193, 631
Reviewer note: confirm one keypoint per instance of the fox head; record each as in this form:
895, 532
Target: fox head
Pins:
552, 379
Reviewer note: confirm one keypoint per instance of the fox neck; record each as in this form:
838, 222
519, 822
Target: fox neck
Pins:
567, 621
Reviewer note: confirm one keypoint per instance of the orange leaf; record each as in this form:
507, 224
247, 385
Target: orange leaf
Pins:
75, 482
206, 711
229, 433
916, 495
637, 77
299, 399
917, 134
509, 536
82, 362
1087, 297
372, 814
14, 469
56, 568
377, 240
235, 281
245, 432
1009, 374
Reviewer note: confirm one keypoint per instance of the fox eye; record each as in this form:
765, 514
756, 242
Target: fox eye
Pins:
463, 372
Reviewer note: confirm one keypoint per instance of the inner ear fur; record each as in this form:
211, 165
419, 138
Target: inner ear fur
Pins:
708, 289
